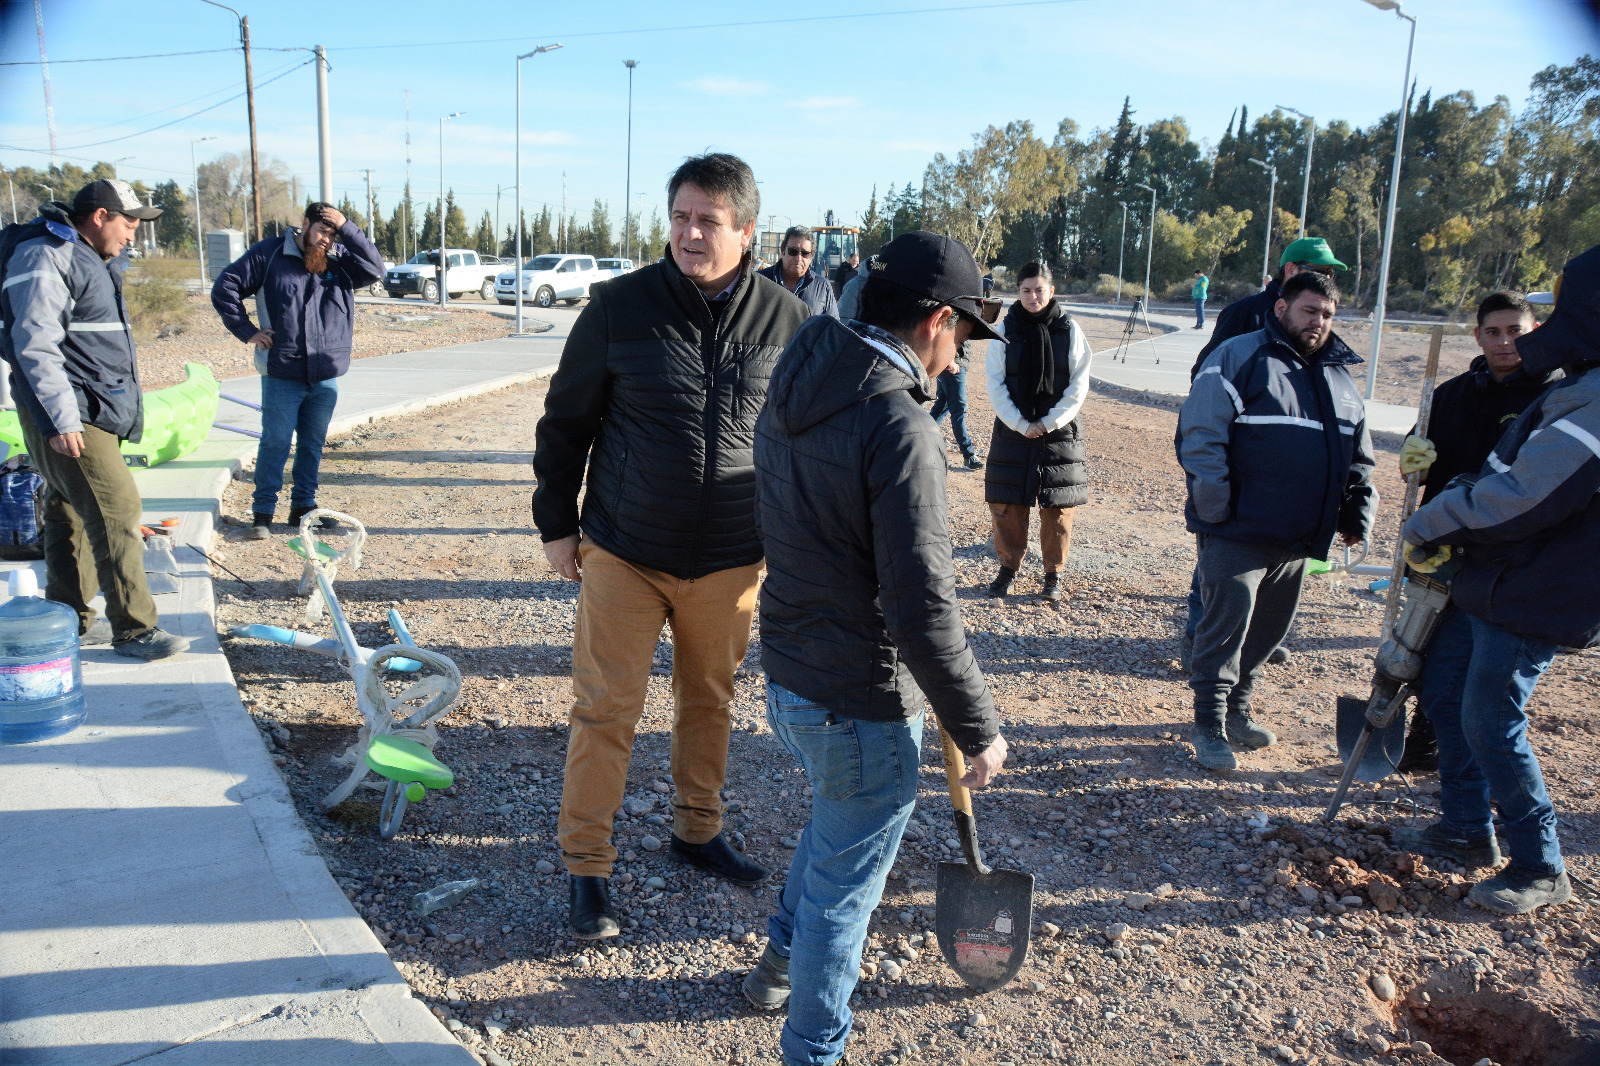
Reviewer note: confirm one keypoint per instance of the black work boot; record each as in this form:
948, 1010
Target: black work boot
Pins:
327, 521
1245, 731
1445, 843
1421, 754
1002, 582
590, 915
716, 856
1052, 589
260, 526
767, 986
1518, 891
1211, 747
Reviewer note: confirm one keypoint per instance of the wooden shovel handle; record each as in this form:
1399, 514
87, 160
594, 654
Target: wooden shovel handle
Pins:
955, 768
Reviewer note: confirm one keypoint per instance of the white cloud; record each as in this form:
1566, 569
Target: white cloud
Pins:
825, 103
724, 85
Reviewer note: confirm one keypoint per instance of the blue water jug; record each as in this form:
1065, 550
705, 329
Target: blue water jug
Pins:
41, 677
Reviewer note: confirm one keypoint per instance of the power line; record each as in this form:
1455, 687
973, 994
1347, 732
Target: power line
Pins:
717, 25
183, 118
118, 59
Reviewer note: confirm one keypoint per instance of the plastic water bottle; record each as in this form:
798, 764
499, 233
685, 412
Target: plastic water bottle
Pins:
41, 677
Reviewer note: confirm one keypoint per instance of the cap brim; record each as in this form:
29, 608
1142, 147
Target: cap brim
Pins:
980, 328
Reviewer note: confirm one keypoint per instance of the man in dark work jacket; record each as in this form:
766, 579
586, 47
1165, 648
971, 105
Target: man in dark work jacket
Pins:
1470, 414
658, 391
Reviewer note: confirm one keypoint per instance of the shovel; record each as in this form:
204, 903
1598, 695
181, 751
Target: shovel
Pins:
982, 916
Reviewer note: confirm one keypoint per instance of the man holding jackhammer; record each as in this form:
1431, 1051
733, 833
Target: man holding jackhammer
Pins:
1471, 412
1528, 528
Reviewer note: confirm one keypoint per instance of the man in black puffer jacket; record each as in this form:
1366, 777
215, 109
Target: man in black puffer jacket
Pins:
859, 619
658, 391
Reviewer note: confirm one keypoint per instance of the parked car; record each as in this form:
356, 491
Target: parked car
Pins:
548, 278
376, 288
617, 267
467, 272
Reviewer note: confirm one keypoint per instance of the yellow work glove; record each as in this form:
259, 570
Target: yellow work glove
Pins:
1417, 454
1422, 563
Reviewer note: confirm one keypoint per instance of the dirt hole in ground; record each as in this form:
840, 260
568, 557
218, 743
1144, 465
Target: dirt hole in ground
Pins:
1466, 1027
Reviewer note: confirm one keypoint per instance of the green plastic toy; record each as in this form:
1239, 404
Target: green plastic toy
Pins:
176, 419
404, 760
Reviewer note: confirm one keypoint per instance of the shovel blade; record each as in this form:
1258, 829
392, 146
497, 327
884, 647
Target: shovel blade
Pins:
983, 922
1385, 748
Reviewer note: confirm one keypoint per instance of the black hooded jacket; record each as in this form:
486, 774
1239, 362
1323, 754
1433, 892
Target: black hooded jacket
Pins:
659, 394
858, 611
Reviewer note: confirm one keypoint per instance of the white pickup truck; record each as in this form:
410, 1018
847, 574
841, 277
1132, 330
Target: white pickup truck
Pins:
548, 278
467, 272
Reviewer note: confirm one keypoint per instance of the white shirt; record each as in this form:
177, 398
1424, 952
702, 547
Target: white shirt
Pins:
1066, 408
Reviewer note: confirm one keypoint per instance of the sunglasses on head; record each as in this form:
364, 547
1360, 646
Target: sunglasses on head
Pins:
797, 253
1317, 268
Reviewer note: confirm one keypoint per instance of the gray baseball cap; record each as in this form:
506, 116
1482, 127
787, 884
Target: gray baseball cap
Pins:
113, 195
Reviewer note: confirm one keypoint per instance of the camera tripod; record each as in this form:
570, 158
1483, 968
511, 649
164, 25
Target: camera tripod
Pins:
1134, 314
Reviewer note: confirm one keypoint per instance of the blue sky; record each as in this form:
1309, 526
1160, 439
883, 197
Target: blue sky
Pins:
822, 110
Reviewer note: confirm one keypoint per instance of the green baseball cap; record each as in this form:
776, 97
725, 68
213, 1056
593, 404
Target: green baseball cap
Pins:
1313, 250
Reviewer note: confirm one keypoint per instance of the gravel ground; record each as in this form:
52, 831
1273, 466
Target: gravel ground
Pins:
1180, 916
380, 329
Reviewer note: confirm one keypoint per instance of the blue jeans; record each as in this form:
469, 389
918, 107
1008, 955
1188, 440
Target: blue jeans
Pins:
1474, 688
292, 409
864, 783
952, 397
1199, 313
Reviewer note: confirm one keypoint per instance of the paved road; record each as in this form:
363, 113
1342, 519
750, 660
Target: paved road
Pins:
1160, 365
163, 902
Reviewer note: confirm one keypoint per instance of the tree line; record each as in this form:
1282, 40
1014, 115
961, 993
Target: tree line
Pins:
410, 224
1488, 198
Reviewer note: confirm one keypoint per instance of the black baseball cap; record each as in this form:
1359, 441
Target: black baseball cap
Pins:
113, 195
938, 268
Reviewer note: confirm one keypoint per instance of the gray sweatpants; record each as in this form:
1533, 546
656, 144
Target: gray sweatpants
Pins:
1250, 593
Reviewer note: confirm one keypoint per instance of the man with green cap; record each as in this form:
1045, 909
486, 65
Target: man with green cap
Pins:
1237, 319
1251, 313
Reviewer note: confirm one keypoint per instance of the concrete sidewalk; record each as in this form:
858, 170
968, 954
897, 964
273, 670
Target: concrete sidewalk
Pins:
164, 902
1159, 365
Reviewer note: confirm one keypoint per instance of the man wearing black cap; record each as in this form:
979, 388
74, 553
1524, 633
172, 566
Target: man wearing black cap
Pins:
1529, 525
859, 619
76, 380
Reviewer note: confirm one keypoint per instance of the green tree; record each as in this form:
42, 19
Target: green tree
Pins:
483, 237
1216, 234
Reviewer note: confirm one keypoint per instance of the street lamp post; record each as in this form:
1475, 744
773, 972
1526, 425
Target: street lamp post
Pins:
1311, 140
47, 189
526, 55
627, 220
1380, 304
1272, 192
444, 262
199, 239
1150, 243
1122, 246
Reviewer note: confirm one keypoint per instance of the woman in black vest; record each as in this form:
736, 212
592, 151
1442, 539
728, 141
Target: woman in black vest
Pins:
1037, 385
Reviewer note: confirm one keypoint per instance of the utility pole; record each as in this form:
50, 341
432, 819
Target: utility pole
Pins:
369, 204
1381, 304
1311, 140
1122, 246
444, 259
1150, 244
563, 211
406, 250
44, 72
324, 135
250, 111
1272, 193
627, 219
497, 220
520, 267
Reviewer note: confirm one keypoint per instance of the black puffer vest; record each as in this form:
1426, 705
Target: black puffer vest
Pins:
1049, 471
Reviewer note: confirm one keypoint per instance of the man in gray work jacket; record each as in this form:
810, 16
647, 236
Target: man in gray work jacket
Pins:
76, 381
1273, 440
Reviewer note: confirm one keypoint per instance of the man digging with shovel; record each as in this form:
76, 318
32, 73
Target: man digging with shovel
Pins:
859, 618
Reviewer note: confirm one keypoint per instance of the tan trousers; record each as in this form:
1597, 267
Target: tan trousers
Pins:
621, 609
1011, 534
